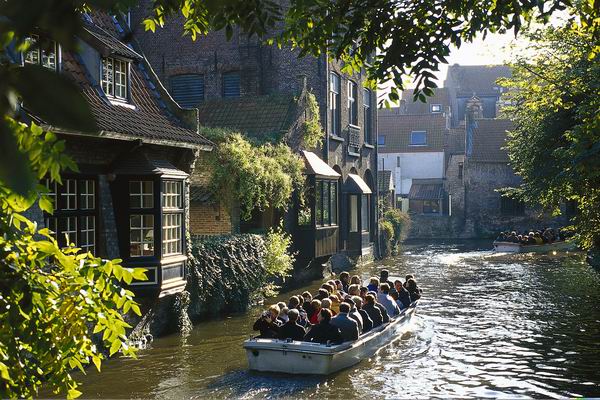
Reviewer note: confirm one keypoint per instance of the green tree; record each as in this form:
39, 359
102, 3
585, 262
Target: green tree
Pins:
555, 146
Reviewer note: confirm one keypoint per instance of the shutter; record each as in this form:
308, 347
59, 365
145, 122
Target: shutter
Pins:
231, 85
187, 90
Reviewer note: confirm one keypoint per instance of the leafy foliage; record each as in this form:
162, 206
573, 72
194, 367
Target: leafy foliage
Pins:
52, 299
555, 146
312, 132
395, 225
255, 176
278, 260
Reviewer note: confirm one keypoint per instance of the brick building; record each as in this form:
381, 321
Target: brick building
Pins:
212, 68
130, 198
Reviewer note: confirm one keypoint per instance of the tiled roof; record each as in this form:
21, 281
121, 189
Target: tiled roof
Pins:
252, 115
384, 181
140, 163
478, 79
107, 44
489, 138
455, 141
426, 189
397, 129
408, 106
146, 117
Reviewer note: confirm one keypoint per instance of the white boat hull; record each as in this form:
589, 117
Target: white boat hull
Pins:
272, 355
509, 247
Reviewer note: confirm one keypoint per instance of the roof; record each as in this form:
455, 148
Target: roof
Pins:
475, 79
316, 166
426, 189
489, 139
385, 181
455, 141
409, 106
139, 163
148, 117
397, 130
253, 115
355, 184
107, 44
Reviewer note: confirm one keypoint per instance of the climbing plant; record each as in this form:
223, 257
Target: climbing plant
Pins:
312, 131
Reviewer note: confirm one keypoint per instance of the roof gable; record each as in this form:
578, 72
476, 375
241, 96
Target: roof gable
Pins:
489, 139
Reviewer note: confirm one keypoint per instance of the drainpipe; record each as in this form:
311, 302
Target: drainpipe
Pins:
377, 235
326, 124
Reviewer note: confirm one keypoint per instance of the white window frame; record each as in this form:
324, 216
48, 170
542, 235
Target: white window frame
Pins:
87, 188
335, 85
352, 103
88, 233
37, 56
410, 138
70, 231
433, 108
172, 226
114, 78
172, 196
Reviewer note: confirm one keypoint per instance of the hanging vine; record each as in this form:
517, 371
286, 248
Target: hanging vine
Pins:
312, 132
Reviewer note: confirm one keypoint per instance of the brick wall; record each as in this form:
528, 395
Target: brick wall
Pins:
209, 219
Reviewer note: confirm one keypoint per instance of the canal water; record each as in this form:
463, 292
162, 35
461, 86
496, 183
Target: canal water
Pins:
488, 326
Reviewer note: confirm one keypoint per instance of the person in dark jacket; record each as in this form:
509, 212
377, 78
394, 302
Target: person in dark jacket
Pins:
413, 289
403, 295
345, 279
384, 277
267, 323
306, 305
291, 329
373, 312
384, 314
367, 321
324, 332
348, 327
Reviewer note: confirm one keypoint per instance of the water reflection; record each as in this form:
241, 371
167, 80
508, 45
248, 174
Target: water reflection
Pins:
489, 326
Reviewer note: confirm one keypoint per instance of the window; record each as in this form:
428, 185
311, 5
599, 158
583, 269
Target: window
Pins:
381, 140
418, 138
353, 213
398, 161
511, 207
114, 77
431, 206
141, 194
364, 214
460, 170
436, 108
172, 225
188, 89
231, 84
335, 104
141, 235
74, 218
326, 202
352, 104
368, 118
40, 54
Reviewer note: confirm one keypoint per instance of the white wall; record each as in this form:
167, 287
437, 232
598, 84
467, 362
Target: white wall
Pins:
412, 166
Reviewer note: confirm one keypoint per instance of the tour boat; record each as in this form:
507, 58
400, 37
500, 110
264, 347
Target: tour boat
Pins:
293, 357
509, 247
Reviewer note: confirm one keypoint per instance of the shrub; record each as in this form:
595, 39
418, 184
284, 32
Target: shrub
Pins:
278, 260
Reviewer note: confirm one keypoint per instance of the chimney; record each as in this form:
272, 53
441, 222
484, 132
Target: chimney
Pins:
402, 109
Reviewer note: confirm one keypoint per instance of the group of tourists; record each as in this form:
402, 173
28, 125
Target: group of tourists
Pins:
340, 311
542, 236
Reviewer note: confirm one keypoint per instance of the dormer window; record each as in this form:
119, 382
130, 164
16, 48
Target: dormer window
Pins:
115, 73
436, 108
40, 55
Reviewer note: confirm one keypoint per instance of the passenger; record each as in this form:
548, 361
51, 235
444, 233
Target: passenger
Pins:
403, 295
328, 288
413, 289
340, 288
354, 290
306, 304
409, 276
291, 329
384, 314
283, 315
323, 294
354, 314
335, 304
548, 235
501, 237
363, 292
384, 278
384, 298
326, 303
366, 320
538, 238
345, 279
293, 302
324, 332
513, 237
530, 239
373, 312
316, 306
267, 324
355, 280
347, 326
373, 285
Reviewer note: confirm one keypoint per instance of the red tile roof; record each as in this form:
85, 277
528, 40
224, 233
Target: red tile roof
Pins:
397, 130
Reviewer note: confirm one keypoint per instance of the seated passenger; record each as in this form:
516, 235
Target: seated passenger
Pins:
335, 305
340, 288
366, 320
283, 317
530, 239
355, 280
345, 279
291, 329
403, 296
413, 289
501, 237
394, 296
384, 298
538, 238
293, 302
373, 285
316, 306
323, 294
373, 312
354, 314
363, 292
384, 277
306, 300
354, 290
267, 324
324, 332
384, 314
347, 326
513, 237
326, 303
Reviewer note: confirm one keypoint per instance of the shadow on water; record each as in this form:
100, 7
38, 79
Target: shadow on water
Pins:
489, 325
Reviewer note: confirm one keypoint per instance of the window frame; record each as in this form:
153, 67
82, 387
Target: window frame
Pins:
176, 95
352, 103
412, 142
367, 115
224, 76
170, 211
335, 103
34, 48
109, 83
434, 106
381, 140
326, 215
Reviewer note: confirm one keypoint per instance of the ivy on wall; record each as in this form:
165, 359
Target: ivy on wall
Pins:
312, 132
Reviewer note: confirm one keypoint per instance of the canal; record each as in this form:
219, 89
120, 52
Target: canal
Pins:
489, 326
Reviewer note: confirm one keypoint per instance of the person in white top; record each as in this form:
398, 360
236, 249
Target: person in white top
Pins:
386, 300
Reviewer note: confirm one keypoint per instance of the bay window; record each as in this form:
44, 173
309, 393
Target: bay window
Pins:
326, 202
114, 77
172, 219
141, 219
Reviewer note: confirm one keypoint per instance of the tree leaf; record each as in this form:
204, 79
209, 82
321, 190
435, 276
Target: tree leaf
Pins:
15, 170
